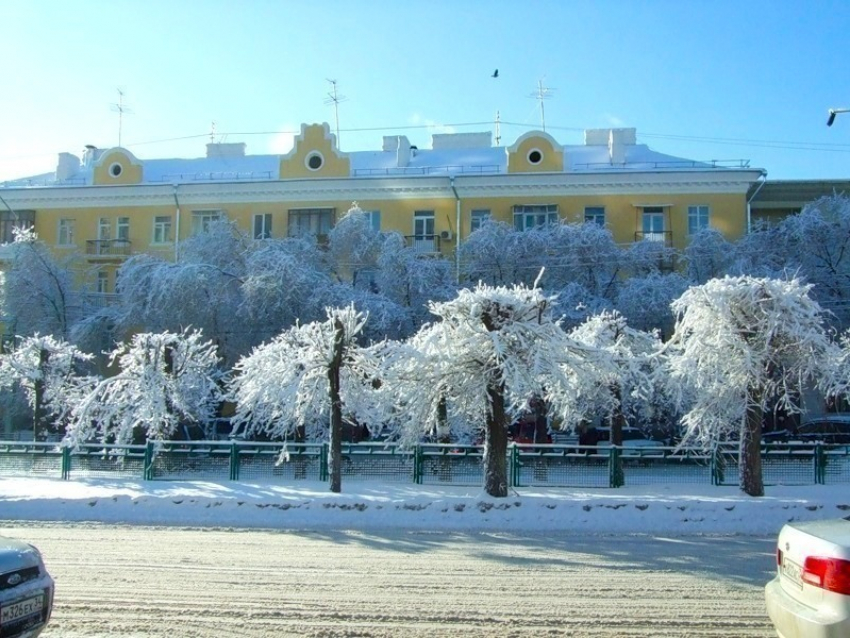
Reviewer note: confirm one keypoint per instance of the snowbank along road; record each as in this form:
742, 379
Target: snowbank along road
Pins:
154, 582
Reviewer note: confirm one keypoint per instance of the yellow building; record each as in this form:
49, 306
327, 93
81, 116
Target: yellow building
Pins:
109, 204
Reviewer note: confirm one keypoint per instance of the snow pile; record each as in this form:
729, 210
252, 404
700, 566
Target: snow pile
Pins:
673, 509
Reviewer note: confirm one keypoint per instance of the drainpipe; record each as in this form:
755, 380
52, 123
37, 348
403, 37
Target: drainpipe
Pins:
763, 178
457, 228
177, 225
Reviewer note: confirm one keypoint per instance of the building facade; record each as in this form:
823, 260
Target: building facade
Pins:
108, 204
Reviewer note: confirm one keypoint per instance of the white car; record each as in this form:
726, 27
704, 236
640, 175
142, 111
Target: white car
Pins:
26, 590
810, 596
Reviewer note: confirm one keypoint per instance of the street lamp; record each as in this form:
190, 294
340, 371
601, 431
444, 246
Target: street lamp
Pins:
833, 113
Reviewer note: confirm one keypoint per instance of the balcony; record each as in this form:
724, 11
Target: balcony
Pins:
423, 244
108, 248
665, 237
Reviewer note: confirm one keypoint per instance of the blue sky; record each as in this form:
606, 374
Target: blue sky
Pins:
703, 80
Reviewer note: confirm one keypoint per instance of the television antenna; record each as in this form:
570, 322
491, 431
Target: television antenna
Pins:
542, 94
334, 98
121, 108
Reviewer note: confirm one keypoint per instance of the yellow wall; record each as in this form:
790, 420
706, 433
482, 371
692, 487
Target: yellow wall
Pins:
552, 157
315, 138
130, 168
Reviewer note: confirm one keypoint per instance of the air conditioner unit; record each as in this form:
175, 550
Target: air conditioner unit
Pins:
445, 234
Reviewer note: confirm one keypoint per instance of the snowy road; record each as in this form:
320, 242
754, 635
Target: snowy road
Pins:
199, 583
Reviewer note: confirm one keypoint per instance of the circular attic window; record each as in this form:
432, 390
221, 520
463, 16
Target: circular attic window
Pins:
116, 169
535, 156
315, 161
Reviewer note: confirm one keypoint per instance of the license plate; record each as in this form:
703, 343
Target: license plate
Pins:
19, 610
793, 572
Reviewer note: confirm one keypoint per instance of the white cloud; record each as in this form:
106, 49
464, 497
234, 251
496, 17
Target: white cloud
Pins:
282, 142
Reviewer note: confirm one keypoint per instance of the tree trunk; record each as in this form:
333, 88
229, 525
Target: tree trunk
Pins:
335, 452
40, 422
751, 480
617, 421
496, 444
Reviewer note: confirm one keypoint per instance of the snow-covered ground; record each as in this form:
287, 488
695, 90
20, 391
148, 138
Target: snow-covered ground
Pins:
669, 509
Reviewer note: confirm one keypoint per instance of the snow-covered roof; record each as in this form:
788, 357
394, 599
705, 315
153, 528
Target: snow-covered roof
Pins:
468, 154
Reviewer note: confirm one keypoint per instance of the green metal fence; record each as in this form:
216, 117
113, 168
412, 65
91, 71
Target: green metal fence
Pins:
430, 464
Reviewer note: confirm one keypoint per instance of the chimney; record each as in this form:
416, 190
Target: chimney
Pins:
90, 155
218, 149
67, 166
618, 139
401, 145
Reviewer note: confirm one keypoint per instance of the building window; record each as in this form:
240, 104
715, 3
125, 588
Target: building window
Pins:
66, 232
162, 230
263, 226
310, 221
535, 156
527, 217
203, 219
314, 161
102, 281
424, 240
653, 223
104, 228
594, 215
477, 218
374, 217
122, 229
697, 219
10, 220
115, 169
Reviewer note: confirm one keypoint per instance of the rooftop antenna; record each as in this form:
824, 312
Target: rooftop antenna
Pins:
212, 133
498, 128
541, 94
335, 99
121, 108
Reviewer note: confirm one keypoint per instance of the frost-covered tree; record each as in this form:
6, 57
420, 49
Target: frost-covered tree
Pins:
627, 370
411, 279
39, 293
708, 255
165, 380
202, 290
308, 379
492, 351
355, 246
48, 371
742, 344
287, 281
645, 301
499, 255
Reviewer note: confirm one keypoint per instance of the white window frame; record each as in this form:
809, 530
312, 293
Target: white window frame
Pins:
262, 228
203, 219
374, 217
530, 216
102, 281
104, 228
477, 217
652, 229
310, 221
699, 217
122, 229
65, 232
595, 215
162, 226
424, 231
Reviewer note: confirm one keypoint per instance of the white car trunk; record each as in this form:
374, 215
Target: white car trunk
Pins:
797, 541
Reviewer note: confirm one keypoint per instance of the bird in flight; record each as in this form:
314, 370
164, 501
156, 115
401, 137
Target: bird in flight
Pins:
495, 74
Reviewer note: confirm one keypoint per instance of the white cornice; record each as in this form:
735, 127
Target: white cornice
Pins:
319, 190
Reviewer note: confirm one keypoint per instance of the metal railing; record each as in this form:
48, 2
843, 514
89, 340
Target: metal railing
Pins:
424, 244
554, 465
108, 247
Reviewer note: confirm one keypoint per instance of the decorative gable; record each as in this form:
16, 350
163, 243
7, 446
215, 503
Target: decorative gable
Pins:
117, 166
315, 154
535, 152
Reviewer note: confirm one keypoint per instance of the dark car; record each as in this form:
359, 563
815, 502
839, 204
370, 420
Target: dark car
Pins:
829, 429
26, 590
